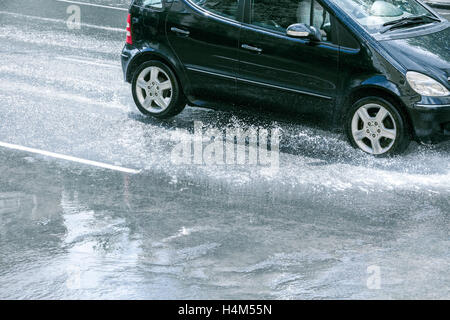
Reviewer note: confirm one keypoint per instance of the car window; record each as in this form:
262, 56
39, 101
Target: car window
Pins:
279, 15
372, 14
149, 3
226, 8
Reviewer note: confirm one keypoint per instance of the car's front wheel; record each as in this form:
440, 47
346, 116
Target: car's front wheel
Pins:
375, 126
156, 91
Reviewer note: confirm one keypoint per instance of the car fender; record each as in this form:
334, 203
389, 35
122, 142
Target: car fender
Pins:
163, 54
373, 84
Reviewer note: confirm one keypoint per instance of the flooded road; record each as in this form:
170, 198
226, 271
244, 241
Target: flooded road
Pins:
331, 222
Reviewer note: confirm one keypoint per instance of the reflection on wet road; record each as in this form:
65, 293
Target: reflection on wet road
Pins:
309, 230
71, 233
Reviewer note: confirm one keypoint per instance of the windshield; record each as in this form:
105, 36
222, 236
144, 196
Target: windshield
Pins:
372, 14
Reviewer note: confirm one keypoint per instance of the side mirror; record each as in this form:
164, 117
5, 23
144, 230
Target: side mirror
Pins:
303, 31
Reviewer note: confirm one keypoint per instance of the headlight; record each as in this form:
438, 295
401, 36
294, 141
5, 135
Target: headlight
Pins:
425, 85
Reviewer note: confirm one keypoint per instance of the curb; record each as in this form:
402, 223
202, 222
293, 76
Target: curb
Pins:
439, 4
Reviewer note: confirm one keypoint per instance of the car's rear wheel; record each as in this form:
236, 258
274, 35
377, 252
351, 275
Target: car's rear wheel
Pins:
377, 127
156, 91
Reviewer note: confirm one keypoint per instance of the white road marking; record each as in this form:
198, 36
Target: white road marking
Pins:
92, 5
68, 158
94, 63
87, 25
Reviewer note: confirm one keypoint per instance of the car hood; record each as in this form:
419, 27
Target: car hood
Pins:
429, 54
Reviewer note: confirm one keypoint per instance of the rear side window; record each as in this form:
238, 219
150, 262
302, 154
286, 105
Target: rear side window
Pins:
225, 8
157, 4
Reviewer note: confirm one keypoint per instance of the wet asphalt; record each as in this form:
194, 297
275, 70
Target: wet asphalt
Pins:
331, 222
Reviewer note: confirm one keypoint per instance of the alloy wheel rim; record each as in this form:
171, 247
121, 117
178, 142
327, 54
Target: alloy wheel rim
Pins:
374, 129
154, 89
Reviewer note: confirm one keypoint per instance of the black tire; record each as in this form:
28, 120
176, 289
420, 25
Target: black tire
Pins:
178, 101
403, 137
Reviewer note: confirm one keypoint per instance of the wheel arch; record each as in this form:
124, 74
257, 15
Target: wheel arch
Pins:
386, 90
150, 54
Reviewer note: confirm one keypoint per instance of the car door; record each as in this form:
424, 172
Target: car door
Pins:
282, 72
205, 36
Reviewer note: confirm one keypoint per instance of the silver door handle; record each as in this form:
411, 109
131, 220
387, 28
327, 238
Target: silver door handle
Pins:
251, 48
180, 31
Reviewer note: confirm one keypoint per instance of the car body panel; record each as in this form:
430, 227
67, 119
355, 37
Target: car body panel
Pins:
290, 75
207, 46
428, 54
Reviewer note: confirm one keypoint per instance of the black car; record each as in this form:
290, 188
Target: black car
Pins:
378, 68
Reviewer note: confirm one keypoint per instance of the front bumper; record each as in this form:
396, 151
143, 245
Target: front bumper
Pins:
431, 119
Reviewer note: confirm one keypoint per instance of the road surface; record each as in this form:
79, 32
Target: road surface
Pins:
329, 223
